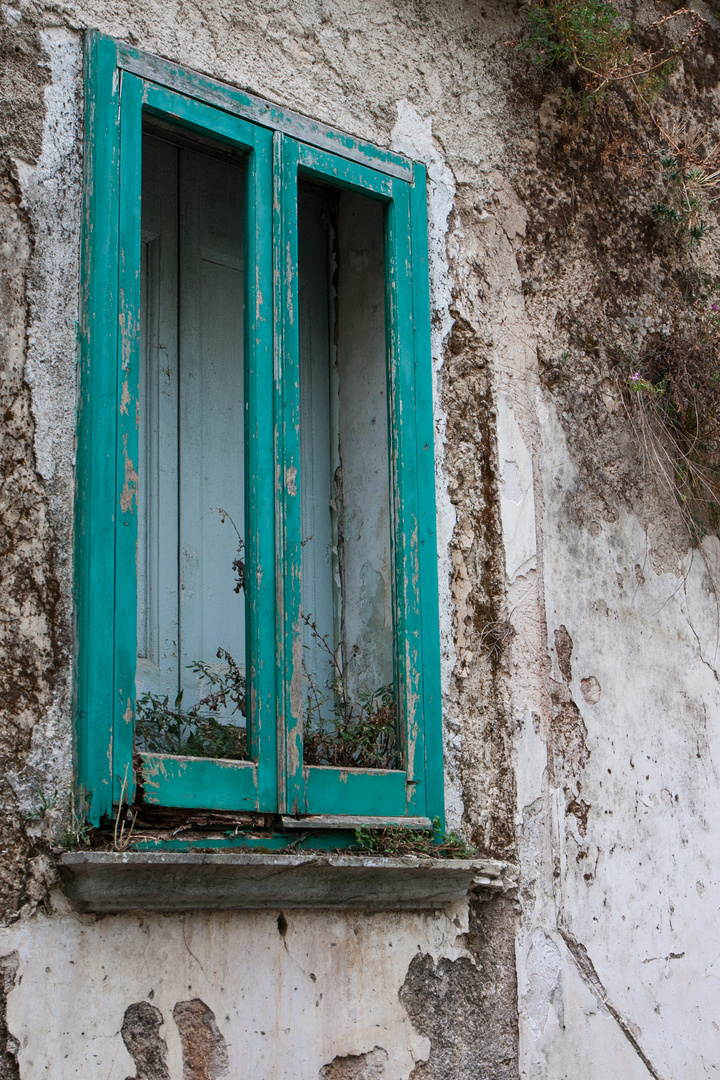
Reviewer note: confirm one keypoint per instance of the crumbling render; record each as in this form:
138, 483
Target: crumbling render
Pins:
32, 625
368, 1066
141, 1035
204, 1050
455, 1003
9, 1069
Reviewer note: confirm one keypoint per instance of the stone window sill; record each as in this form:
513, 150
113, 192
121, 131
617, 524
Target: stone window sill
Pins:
108, 881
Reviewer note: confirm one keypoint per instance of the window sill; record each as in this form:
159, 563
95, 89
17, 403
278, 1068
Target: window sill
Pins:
102, 881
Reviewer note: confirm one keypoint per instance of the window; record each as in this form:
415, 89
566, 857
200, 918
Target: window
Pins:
256, 577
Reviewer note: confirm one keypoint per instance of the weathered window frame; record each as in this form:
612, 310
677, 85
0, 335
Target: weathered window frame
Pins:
120, 83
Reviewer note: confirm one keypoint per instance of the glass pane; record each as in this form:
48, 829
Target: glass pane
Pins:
191, 662
346, 571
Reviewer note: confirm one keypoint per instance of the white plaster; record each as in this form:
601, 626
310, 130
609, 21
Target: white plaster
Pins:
541, 974
541, 407
412, 135
530, 761
12, 14
640, 891
584, 1040
517, 501
52, 194
285, 1004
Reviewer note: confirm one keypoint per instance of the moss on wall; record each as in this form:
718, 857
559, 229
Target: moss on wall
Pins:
31, 624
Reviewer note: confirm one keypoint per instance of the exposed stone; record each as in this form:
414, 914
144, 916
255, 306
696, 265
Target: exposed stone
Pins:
9, 1068
30, 620
468, 1007
591, 690
368, 1066
141, 1035
563, 650
24, 74
205, 1055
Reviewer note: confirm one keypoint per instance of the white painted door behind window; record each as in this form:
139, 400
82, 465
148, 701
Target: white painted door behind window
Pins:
191, 422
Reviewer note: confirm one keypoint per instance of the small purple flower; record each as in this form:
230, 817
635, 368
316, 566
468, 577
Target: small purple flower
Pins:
715, 308
636, 376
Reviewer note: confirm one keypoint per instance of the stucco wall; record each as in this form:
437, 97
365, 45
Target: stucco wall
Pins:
579, 630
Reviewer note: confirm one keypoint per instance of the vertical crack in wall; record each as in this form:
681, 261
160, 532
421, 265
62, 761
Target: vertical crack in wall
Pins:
204, 1050
141, 1035
9, 1067
467, 1008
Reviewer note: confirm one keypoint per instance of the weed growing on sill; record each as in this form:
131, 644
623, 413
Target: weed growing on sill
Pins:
357, 734
78, 833
198, 731
396, 840
165, 728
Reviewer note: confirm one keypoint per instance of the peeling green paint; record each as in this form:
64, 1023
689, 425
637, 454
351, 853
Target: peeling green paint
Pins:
108, 453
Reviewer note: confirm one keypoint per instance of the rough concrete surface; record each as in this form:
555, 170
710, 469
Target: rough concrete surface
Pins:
579, 627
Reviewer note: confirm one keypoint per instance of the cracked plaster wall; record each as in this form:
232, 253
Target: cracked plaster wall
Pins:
285, 1004
579, 636
122, 995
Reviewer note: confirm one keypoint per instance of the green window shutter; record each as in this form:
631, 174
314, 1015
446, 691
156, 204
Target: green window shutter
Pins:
147, 485
427, 520
323, 789
95, 462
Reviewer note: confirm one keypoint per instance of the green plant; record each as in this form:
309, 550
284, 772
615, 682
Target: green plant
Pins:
691, 179
358, 735
77, 832
397, 840
638, 385
46, 808
165, 728
590, 38
124, 817
589, 35
600, 52
340, 731
238, 564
